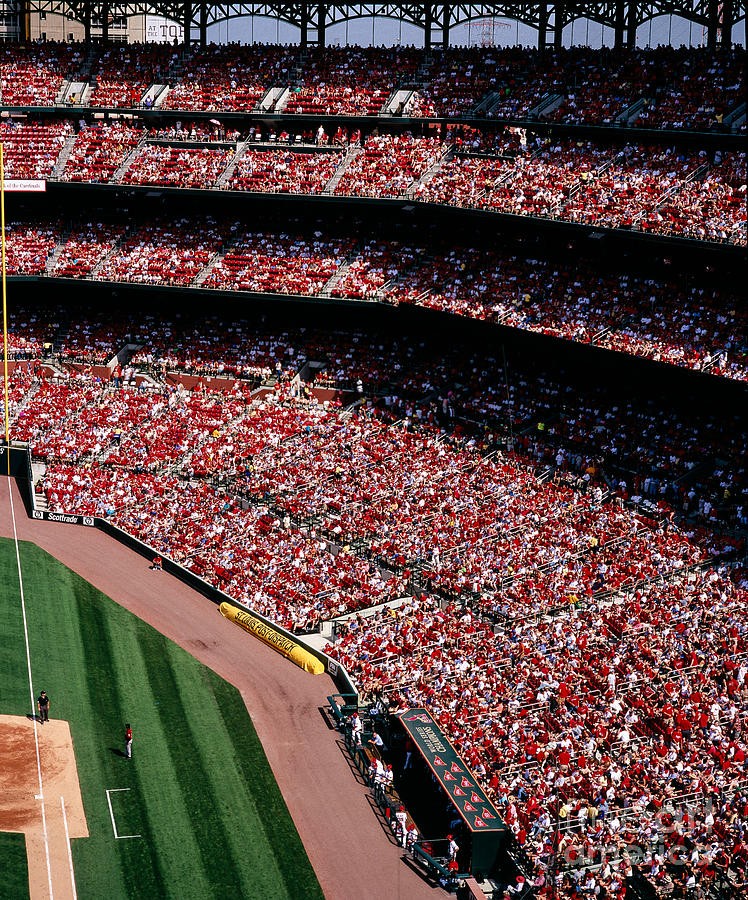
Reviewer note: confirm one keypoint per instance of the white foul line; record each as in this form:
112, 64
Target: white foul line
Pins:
117, 837
70, 852
31, 690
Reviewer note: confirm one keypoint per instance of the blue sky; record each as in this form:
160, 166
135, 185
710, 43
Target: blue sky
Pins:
502, 32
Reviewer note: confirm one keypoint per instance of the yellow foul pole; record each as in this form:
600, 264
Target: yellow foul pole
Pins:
5, 306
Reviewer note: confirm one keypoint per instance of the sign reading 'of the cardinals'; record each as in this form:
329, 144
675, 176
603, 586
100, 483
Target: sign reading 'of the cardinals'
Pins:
454, 776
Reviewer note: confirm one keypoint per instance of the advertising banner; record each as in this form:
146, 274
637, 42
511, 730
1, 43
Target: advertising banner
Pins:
273, 638
66, 518
453, 774
487, 832
159, 30
18, 185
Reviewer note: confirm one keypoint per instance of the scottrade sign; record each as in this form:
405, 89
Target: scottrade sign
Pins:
453, 774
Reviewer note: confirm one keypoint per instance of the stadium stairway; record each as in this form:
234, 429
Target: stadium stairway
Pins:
66, 150
51, 263
61, 332
127, 162
333, 280
203, 274
225, 177
446, 154
397, 103
30, 394
736, 118
74, 92
107, 256
546, 105
275, 100
628, 116
485, 104
155, 95
350, 154
38, 469
422, 77
296, 73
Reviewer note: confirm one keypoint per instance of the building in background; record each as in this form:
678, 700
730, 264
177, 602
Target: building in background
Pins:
45, 26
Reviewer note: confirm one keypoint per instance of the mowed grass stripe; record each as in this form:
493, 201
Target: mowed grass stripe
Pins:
245, 840
156, 776
183, 746
297, 872
60, 655
14, 685
140, 866
14, 873
160, 778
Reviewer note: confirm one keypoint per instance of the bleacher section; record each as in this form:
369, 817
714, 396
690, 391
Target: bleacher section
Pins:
683, 89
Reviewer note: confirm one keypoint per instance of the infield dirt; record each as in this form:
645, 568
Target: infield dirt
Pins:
21, 807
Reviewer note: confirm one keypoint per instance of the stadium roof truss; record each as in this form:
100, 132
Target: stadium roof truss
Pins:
434, 19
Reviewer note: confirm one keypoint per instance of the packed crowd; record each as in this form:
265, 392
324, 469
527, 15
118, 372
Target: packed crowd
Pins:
388, 165
540, 184
165, 252
646, 317
609, 735
654, 188
714, 210
31, 150
211, 347
657, 189
99, 150
681, 88
350, 81
122, 73
672, 319
705, 88
32, 74
85, 246
29, 247
590, 666
672, 457
278, 264
479, 526
458, 78
280, 171
672, 88
228, 77
174, 166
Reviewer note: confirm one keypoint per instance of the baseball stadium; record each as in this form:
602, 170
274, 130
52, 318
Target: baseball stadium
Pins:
373, 472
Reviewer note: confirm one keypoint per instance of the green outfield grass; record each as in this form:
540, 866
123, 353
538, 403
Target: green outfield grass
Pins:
201, 793
14, 880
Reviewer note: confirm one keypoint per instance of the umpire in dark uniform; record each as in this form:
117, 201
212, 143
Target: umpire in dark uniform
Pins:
43, 706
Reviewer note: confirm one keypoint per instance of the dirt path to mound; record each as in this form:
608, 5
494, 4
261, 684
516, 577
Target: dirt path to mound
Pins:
21, 805
352, 855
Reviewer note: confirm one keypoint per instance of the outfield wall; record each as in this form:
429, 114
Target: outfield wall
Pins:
20, 460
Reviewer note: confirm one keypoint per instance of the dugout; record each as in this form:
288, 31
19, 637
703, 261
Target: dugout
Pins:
482, 825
